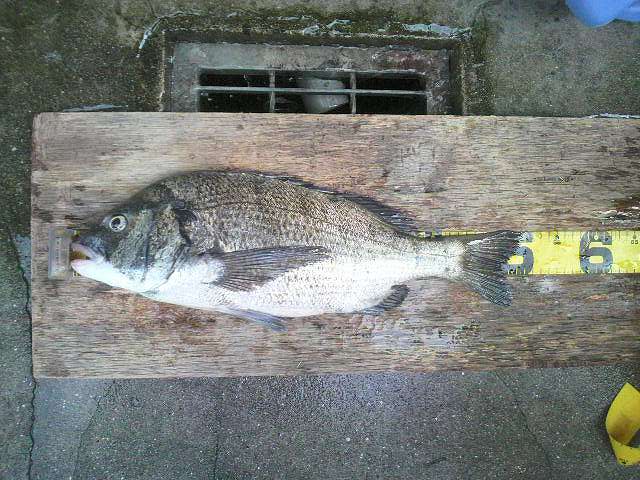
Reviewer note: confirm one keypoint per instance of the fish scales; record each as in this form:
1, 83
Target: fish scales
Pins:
241, 213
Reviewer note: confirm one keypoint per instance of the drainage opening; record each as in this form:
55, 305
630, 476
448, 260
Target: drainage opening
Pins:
309, 79
312, 92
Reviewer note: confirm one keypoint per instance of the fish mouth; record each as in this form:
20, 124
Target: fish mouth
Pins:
82, 255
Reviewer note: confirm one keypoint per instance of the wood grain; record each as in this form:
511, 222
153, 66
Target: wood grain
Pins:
460, 172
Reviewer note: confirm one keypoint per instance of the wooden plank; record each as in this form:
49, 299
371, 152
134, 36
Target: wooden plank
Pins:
460, 172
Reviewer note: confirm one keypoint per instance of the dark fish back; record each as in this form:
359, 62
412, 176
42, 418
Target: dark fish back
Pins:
240, 211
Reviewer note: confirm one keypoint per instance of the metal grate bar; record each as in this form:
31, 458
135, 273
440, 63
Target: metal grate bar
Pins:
352, 97
428, 98
343, 74
272, 94
337, 91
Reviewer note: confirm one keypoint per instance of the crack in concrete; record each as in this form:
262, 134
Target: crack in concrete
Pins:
16, 254
216, 458
81, 441
149, 31
436, 460
33, 421
11, 240
527, 426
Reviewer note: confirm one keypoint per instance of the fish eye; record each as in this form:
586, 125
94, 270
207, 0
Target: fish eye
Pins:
118, 223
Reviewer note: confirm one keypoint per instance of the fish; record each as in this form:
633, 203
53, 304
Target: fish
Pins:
269, 249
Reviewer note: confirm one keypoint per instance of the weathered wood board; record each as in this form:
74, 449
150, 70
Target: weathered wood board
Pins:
459, 172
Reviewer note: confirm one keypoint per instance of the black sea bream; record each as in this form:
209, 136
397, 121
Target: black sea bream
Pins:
266, 248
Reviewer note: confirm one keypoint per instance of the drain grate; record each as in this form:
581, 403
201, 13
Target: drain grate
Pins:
312, 91
227, 77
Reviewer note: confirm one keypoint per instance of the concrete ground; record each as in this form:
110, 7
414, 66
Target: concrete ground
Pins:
534, 59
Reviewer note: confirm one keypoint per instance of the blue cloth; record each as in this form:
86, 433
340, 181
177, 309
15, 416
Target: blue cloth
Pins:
595, 13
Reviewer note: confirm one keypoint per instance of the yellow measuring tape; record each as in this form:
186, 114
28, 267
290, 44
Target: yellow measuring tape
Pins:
622, 423
573, 252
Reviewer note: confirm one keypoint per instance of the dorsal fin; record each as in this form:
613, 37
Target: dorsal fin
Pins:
394, 217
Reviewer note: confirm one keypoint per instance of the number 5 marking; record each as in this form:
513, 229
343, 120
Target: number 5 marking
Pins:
526, 265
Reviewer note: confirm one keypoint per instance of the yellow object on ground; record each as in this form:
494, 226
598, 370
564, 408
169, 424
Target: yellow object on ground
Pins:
623, 422
575, 252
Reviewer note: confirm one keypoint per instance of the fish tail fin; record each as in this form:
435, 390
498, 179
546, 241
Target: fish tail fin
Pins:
483, 260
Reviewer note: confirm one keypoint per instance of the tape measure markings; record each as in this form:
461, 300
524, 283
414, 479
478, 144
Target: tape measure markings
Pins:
572, 252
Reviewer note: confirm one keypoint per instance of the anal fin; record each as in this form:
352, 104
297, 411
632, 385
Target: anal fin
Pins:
395, 297
271, 321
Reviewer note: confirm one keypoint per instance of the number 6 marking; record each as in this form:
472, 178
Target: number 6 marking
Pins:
587, 251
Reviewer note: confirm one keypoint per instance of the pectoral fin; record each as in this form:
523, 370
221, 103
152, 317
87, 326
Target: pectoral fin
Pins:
247, 269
